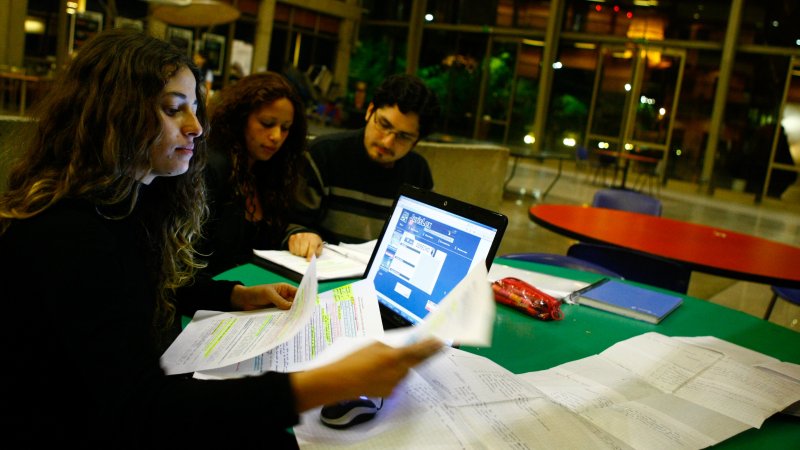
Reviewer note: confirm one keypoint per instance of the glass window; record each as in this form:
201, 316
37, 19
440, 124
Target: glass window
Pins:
654, 20
391, 10
773, 23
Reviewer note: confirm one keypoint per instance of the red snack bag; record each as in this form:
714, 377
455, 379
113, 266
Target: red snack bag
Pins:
526, 298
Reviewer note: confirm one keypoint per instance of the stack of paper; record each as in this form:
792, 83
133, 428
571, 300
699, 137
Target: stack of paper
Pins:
648, 392
335, 262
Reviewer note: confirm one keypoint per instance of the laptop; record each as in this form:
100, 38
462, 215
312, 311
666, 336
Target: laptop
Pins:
425, 249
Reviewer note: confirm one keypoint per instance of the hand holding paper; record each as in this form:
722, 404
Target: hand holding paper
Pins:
214, 340
465, 316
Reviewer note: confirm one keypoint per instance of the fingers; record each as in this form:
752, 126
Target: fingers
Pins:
282, 295
285, 290
249, 298
420, 351
305, 245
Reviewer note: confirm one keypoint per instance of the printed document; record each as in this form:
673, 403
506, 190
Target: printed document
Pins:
461, 400
653, 391
214, 339
335, 261
348, 311
648, 392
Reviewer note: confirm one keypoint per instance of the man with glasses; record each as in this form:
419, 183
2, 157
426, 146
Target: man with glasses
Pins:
351, 178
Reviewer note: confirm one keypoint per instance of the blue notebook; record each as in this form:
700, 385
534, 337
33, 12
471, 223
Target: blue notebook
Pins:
631, 301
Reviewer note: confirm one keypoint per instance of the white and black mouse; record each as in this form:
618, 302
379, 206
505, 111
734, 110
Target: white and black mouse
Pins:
349, 412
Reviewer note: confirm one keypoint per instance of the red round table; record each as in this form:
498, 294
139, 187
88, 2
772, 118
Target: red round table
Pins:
699, 247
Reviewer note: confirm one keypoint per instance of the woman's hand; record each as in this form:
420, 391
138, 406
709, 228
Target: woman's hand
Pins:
248, 298
372, 371
305, 245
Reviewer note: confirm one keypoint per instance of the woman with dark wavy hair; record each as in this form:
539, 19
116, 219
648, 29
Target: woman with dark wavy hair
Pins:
259, 137
97, 230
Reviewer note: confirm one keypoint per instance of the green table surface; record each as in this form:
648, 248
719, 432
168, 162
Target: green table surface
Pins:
523, 344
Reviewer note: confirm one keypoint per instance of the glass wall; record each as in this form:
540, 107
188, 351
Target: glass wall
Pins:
639, 75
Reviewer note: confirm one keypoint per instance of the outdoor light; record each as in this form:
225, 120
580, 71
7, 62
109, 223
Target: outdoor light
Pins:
34, 26
529, 139
627, 86
557, 65
429, 17
569, 142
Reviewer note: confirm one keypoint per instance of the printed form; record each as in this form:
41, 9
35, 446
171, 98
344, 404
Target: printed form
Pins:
653, 391
650, 391
348, 311
461, 400
214, 339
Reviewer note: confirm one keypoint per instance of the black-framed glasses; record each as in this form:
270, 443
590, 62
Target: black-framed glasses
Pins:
386, 128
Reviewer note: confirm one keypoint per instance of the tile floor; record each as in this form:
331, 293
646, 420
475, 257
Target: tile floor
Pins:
772, 219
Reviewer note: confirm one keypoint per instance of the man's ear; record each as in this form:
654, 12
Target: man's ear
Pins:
369, 111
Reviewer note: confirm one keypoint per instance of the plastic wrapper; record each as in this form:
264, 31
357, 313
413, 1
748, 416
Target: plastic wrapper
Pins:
526, 298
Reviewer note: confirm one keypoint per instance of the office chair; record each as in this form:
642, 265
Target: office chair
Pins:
788, 294
635, 266
562, 261
626, 200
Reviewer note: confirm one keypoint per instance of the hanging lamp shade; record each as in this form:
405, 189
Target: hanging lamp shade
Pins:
194, 13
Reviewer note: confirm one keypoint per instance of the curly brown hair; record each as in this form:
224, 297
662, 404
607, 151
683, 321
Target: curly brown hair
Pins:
273, 179
94, 133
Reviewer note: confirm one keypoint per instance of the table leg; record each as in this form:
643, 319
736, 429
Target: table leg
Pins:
23, 96
625, 172
513, 170
552, 183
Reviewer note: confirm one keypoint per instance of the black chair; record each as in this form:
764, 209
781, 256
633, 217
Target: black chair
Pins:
635, 266
648, 175
626, 200
601, 164
788, 294
562, 261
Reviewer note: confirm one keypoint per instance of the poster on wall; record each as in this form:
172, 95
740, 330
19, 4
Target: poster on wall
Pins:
241, 58
214, 45
124, 22
82, 27
181, 38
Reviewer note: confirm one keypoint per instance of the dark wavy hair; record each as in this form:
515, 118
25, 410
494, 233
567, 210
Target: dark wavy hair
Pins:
94, 134
273, 179
411, 95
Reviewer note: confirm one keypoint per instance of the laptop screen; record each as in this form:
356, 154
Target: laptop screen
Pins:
427, 247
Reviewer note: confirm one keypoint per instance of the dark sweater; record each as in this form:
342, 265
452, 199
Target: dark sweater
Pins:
346, 196
81, 360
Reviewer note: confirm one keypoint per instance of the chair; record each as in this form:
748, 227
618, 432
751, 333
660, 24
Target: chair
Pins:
562, 261
648, 175
788, 294
627, 200
581, 159
601, 163
635, 266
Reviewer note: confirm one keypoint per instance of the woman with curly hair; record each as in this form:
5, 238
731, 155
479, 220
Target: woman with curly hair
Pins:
97, 231
258, 141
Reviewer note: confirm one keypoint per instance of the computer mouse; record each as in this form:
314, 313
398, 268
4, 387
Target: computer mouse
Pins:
349, 412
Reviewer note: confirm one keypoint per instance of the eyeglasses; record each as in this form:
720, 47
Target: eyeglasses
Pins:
386, 128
